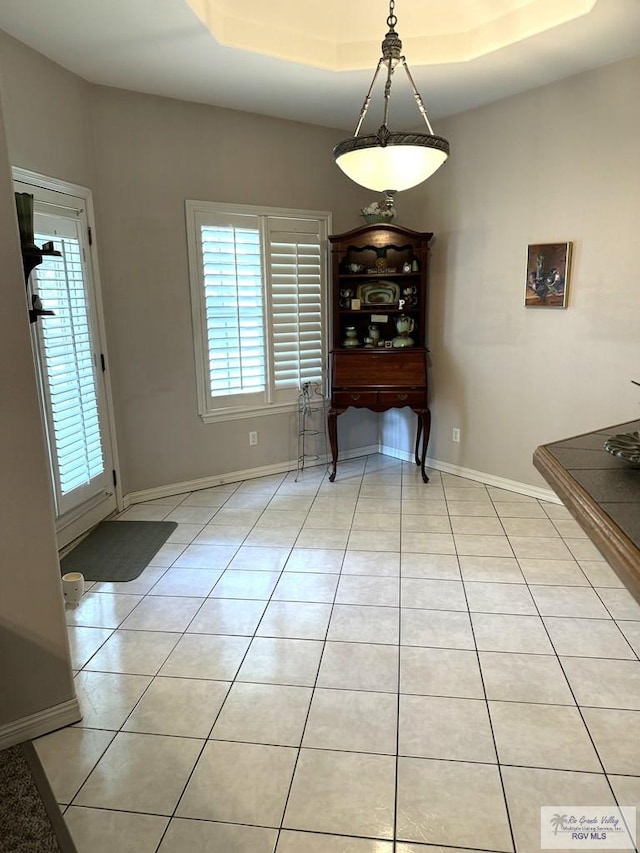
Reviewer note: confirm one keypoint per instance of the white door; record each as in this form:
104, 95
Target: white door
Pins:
71, 365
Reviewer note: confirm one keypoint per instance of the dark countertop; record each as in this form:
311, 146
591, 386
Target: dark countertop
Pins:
602, 492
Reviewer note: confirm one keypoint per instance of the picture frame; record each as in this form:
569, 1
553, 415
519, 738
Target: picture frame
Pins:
547, 277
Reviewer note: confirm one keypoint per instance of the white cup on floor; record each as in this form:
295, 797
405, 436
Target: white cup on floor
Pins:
73, 587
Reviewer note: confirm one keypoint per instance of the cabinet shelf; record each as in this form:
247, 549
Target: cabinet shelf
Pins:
359, 275
378, 309
385, 350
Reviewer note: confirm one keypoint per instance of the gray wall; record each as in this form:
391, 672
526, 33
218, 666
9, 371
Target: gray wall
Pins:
561, 163
47, 115
35, 669
152, 154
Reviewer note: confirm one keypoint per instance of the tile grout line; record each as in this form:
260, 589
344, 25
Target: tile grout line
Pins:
397, 755
491, 727
222, 704
282, 828
235, 677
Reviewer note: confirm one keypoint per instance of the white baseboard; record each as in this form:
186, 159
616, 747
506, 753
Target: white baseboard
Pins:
41, 723
497, 482
236, 477
478, 476
394, 453
360, 451
206, 482
285, 467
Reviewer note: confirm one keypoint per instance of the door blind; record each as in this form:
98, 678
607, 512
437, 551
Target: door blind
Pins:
68, 365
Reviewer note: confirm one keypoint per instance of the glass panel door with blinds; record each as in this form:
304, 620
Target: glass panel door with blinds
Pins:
68, 360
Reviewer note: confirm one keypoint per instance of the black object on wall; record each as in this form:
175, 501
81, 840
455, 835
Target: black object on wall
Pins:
32, 256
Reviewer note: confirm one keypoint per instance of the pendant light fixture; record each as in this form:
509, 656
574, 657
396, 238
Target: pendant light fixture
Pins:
389, 161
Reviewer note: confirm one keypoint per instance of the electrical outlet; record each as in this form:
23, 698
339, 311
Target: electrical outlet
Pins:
455, 435
253, 438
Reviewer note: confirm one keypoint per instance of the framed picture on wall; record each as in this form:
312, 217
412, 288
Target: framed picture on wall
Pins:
547, 281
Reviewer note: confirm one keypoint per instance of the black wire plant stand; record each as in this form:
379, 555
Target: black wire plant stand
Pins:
312, 424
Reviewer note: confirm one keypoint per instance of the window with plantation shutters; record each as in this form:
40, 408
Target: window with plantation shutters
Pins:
258, 285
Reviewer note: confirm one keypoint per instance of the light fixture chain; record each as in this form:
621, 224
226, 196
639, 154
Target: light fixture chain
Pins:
387, 95
392, 20
367, 100
417, 96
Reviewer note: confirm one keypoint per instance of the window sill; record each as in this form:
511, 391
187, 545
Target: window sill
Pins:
238, 414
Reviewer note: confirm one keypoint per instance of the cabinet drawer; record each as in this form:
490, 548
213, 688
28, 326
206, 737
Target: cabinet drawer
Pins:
371, 368
402, 397
354, 398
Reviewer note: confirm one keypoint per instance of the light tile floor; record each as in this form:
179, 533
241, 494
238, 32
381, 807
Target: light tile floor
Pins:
367, 666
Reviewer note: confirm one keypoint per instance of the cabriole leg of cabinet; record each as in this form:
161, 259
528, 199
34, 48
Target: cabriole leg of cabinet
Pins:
424, 419
332, 428
418, 436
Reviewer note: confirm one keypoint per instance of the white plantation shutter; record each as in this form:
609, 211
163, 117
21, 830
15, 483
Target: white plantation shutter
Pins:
234, 308
258, 284
68, 365
296, 288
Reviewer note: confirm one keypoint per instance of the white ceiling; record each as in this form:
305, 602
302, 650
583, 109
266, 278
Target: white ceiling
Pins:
164, 47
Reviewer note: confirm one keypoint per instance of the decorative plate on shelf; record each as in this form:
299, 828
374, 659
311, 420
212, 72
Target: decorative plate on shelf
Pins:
378, 292
625, 446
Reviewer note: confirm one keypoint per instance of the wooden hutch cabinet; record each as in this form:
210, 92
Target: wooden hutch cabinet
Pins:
379, 326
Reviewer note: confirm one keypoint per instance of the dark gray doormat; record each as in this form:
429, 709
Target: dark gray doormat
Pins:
117, 550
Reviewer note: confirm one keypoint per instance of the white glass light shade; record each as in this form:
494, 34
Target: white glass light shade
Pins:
406, 160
